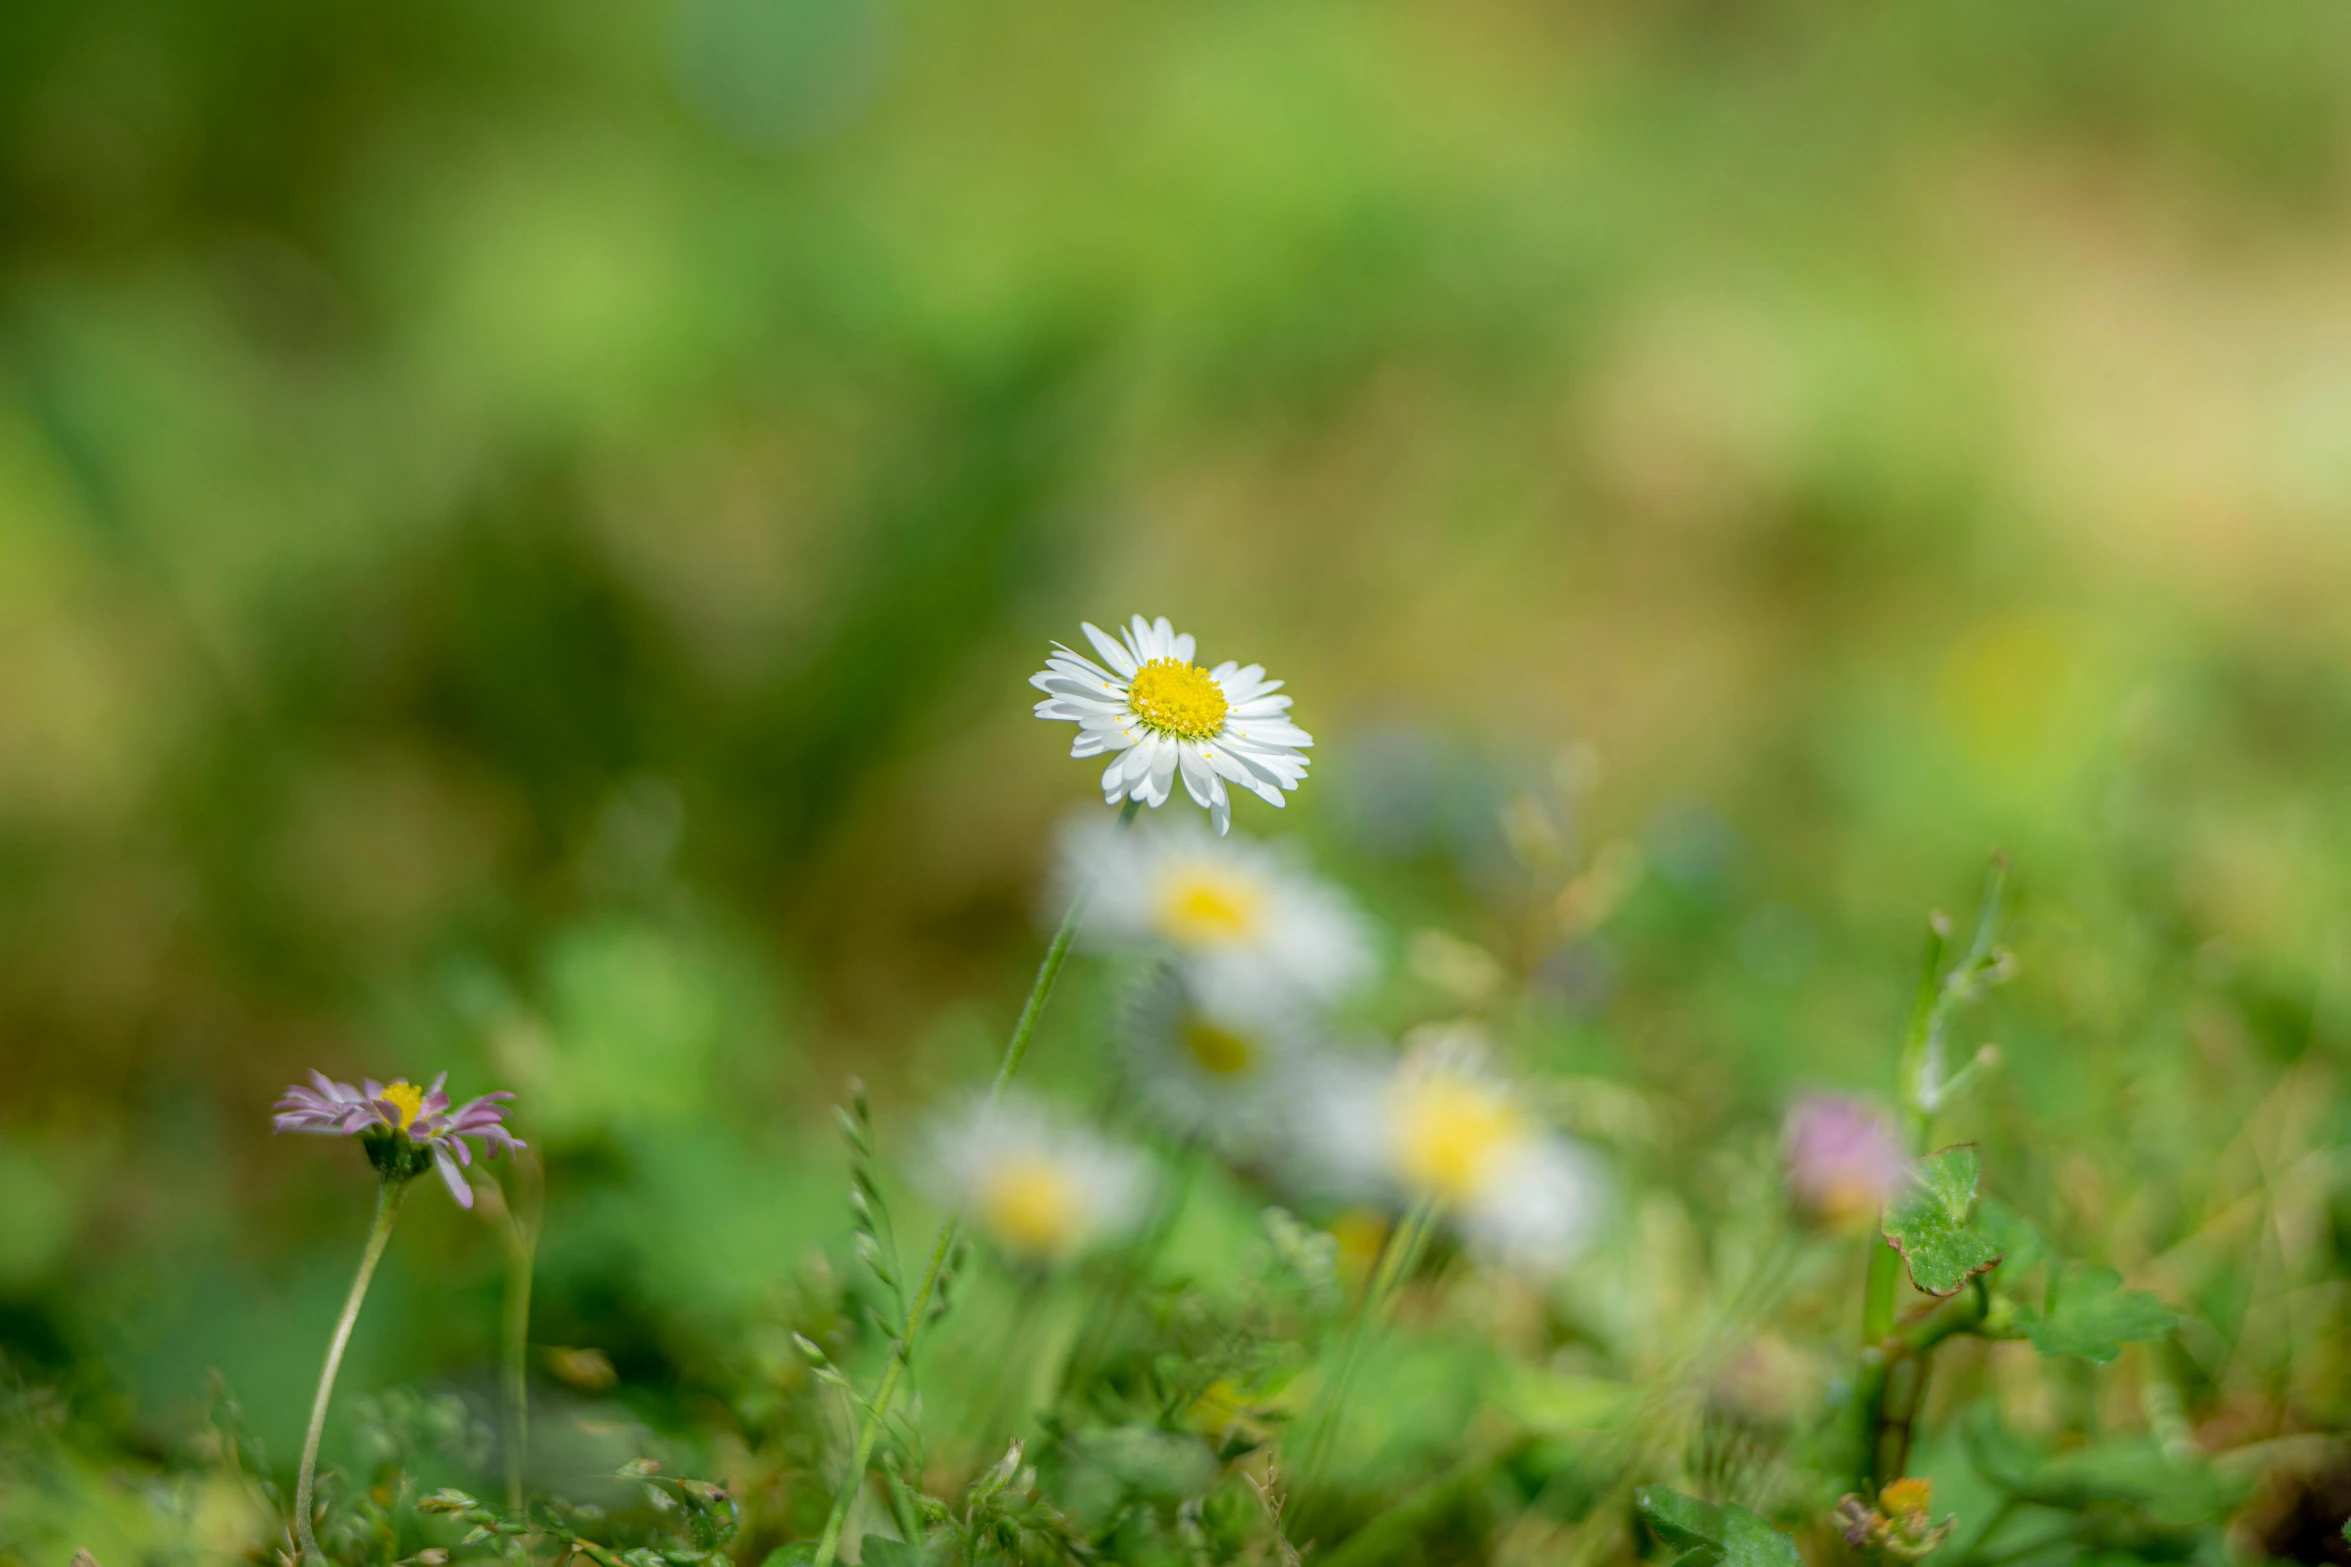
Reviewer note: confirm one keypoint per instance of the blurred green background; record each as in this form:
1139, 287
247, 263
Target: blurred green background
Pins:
523, 527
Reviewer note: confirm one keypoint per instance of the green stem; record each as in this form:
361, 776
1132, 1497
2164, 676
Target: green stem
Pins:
387, 1209
1914, 1101
522, 1245
1974, 1551
1016, 1050
1015, 1354
1396, 1261
1099, 1329
1880, 1294
1910, 1349
1399, 1258
1387, 1533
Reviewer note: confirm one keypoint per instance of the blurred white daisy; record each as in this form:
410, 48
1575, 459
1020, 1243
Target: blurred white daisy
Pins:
1156, 714
1441, 1128
1250, 924
1222, 1073
1041, 1188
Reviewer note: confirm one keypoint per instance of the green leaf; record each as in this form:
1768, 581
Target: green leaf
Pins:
2129, 1472
1748, 1541
1707, 1533
2090, 1316
881, 1551
1681, 1521
1932, 1223
2022, 1247
797, 1554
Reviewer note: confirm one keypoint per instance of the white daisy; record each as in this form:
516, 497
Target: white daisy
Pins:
1439, 1127
1041, 1188
1156, 713
1250, 924
1219, 1072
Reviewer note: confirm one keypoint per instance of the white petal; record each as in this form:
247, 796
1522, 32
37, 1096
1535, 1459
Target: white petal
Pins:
1199, 778
1249, 774
1114, 776
1098, 714
1160, 782
1118, 657
1070, 661
1182, 648
1081, 690
1271, 731
1079, 667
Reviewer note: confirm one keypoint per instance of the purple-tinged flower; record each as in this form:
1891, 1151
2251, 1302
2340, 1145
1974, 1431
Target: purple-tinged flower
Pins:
403, 1125
1844, 1159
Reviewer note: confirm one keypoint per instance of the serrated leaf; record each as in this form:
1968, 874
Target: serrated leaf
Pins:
2133, 1472
1706, 1532
1748, 1541
1681, 1521
2022, 1246
2090, 1316
1932, 1223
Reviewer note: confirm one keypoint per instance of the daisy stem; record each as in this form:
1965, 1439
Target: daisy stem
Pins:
1398, 1257
1016, 1050
387, 1209
522, 1245
1100, 1327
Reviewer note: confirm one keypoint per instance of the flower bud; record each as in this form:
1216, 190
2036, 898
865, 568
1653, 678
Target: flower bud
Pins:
1843, 1160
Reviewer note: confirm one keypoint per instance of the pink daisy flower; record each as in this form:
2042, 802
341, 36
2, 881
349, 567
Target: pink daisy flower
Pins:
402, 1124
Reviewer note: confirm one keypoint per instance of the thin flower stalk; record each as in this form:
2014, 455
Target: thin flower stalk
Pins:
405, 1131
876, 1409
394, 1187
1398, 1258
521, 1233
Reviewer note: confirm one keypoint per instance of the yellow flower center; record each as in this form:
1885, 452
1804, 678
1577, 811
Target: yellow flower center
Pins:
1914, 1495
1030, 1206
1451, 1136
1218, 1051
1209, 905
406, 1098
1178, 699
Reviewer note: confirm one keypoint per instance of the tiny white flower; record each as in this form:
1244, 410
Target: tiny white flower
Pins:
1156, 714
1041, 1188
1251, 926
1223, 1073
1439, 1127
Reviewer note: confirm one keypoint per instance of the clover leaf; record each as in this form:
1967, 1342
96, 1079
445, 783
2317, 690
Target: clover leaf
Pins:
1713, 1534
1932, 1222
2090, 1316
